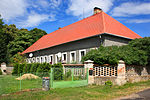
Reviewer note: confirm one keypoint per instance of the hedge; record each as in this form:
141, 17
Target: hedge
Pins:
0, 72
112, 54
39, 69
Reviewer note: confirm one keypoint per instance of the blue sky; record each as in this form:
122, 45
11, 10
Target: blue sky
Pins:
49, 15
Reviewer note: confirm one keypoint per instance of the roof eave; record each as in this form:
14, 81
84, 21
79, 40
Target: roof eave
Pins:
117, 36
82, 39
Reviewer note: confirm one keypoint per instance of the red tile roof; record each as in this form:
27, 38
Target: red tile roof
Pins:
90, 26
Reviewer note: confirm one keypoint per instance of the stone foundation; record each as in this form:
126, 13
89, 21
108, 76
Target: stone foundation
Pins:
99, 80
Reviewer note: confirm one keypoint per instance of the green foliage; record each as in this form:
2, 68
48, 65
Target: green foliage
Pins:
3, 43
14, 40
37, 33
58, 71
68, 74
112, 54
109, 83
25, 68
20, 43
19, 69
18, 58
104, 55
0, 72
15, 70
142, 44
39, 69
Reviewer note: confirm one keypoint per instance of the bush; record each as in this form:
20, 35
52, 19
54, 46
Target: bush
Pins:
15, 70
58, 71
39, 69
111, 55
67, 75
25, 68
0, 72
108, 83
142, 44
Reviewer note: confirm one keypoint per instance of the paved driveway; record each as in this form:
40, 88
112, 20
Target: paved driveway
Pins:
143, 95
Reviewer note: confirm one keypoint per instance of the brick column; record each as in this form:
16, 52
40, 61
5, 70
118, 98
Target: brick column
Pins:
88, 65
121, 73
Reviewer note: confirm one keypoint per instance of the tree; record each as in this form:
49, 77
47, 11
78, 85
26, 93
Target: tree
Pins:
3, 44
37, 34
18, 58
14, 40
10, 31
20, 43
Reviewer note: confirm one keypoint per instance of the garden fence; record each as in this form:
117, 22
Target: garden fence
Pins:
59, 78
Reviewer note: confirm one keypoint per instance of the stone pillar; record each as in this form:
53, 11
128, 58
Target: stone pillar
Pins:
3, 68
88, 65
121, 71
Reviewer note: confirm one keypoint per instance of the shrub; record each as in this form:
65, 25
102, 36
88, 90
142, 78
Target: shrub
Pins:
67, 75
25, 68
142, 44
20, 68
0, 72
111, 55
58, 71
15, 70
32, 68
108, 83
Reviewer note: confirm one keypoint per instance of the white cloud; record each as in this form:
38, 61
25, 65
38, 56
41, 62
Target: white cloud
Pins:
55, 3
43, 3
76, 7
28, 13
130, 8
35, 19
138, 21
10, 9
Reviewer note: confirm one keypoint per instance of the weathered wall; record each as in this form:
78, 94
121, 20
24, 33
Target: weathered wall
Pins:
110, 40
100, 80
137, 73
92, 42
88, 43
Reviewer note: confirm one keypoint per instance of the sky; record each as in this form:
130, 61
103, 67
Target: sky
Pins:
49, 15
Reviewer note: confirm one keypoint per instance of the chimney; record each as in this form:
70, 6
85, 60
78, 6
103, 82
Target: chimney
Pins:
97, 10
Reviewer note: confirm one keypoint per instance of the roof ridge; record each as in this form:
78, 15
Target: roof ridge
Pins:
74, 23
120, 23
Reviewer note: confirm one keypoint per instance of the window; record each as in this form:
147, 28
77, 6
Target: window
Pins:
56, 58
51, 59
42, 59
37, 59
72, 56
64, 57
30, 60
82, 53
46, 59
33, 59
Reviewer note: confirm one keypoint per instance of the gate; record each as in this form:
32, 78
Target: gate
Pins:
68, 77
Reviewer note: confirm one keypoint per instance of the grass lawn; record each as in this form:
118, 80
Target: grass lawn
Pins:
91, 92
9, 84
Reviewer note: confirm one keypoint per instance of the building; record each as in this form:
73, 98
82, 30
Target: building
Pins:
70, 43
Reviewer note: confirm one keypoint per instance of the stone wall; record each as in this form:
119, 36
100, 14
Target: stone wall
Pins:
100, 80
137, 73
